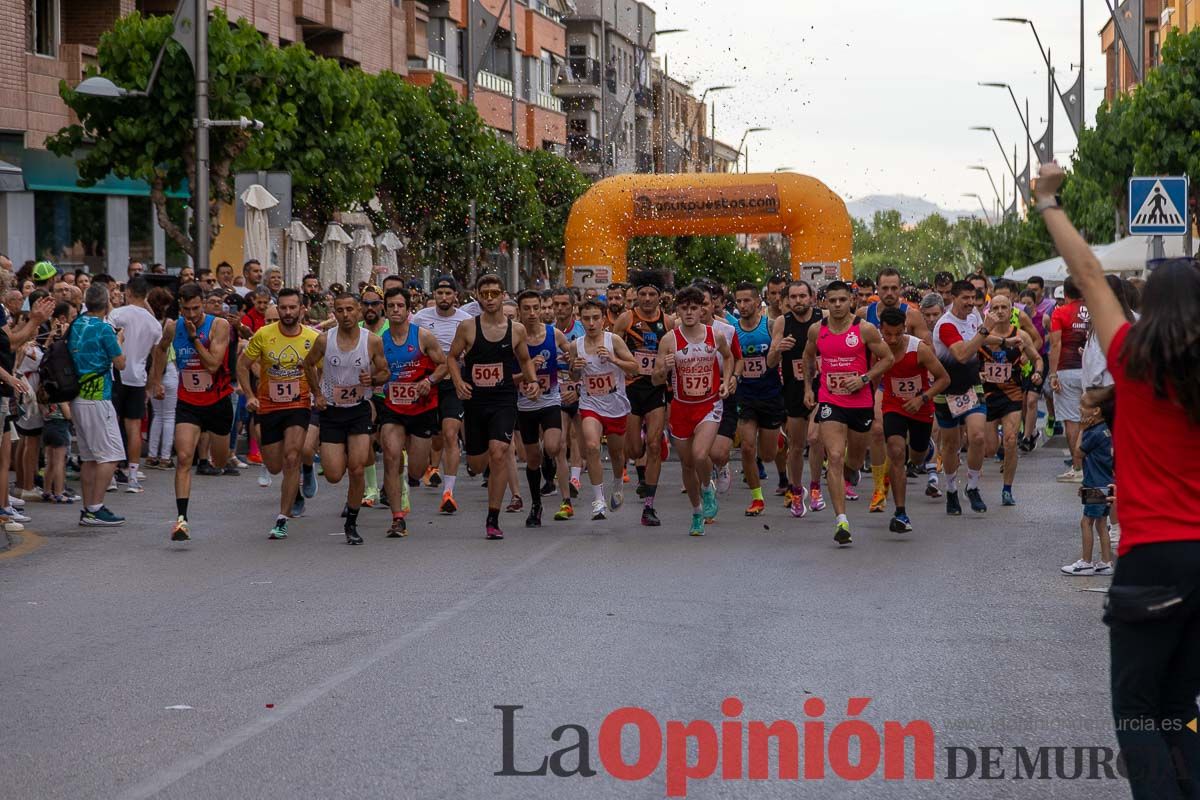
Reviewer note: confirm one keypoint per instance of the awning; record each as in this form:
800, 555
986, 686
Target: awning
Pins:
46, 172
10, 178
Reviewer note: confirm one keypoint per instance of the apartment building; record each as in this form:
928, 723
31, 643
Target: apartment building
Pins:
680, 122
44, 214
606, 88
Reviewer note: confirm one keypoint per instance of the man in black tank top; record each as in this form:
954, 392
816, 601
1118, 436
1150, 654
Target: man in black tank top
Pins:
494, 350
789, 335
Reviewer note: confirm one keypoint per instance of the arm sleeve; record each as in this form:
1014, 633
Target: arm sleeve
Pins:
948, 335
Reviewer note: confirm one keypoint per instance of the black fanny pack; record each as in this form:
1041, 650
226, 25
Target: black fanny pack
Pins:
1143, 603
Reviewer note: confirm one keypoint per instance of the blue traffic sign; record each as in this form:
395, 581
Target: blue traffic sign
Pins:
1158, 206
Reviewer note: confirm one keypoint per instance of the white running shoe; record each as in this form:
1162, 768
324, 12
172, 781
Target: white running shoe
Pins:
1072, 475
598, 508
1080, 567
17, 502
618, 494
724, 478
1102, 568
13, 514
264, 478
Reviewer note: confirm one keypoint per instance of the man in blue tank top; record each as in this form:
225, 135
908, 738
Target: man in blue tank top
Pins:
761, 412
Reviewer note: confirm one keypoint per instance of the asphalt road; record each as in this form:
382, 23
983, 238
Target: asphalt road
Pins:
237, 667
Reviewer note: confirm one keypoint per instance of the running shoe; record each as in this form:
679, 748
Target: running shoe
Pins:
1050, 427
782, 490
598, 509
370, 497
931, 488
1006, 498
237, 462
977, 504
618, 496
308, 482
534, 520
448, 505
953, 508
575, 486
850, 493
565, 512
264, 478
230, 470
625, 476
13, 514
913, 471
15, 502
755, 508
1072, 475
878, 502
841, 534
697, 528
279, 531
724, 479
900, 524
650, 517
515, 505
112, 485
548, 488
16, 527
797, 506
297, 507
1102, 567
254, 458
134, 486
1080, 567
399, 528
815, 501
762, 469
435, 480
204, 468
180, 533
493, 532
351, 530
708, 503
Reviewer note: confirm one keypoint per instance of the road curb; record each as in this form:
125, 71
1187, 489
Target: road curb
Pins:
5, 542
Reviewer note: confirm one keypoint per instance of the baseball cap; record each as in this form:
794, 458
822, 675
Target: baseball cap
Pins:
445, 282
44, 271
1059, 293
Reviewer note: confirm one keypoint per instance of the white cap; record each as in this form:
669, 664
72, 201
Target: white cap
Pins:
1059, 294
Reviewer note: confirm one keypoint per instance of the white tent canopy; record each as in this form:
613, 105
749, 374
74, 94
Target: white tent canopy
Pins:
256, 242
387, 244
1128, 255
333, 254
298, 237
362, 257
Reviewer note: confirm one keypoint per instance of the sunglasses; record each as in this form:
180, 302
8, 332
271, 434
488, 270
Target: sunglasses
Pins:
372, 303
490, 294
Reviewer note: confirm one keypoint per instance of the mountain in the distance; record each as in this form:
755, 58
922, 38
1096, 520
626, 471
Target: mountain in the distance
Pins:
912, 209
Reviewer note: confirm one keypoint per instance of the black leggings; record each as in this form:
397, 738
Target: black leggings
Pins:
1156, 676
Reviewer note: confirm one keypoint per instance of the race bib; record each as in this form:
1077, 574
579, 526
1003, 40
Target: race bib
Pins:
571, 386
836, 382
997, 373
284, 391
960, 404
402, 394
544, 383
754, 367
600, 384
798, 369
645, 361
906, 388
698, 383
487, 376
196, 380
347, 395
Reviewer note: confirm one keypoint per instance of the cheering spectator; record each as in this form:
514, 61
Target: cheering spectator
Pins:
96, 349
1153, 606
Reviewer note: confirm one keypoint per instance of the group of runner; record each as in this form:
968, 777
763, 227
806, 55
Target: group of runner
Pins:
795, 375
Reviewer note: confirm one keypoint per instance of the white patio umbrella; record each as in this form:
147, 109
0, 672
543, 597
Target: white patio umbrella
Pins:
298, 237
388, 244
256, 243
362, 247
333, 255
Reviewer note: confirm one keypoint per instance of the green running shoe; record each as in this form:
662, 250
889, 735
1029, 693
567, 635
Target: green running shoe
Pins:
708, 502
841, 534
279, 531
697, 528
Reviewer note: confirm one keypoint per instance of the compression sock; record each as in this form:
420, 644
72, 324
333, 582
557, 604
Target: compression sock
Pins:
973, 478
576, 472
641, 473
649, 492
598, 492
534, 476
370, 478
877, 475
756, 494
952, 482
351, 516
181, 506
448, 482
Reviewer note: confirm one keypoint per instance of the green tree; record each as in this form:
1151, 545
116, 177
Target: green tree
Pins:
559, 184
151, 138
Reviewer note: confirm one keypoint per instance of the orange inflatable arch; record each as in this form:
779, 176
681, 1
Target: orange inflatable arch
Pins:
617, 209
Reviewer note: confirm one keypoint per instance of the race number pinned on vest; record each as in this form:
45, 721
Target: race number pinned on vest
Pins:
487, 376
196, 380
960, 404
402, 394
906, 388
284, 391
600, 384
754, 367
645, 361
994, 372
347, 395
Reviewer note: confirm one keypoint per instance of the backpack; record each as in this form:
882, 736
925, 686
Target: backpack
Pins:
57, 373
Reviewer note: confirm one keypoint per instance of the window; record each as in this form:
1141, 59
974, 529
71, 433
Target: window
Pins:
70, 229
1154, 49
42, 24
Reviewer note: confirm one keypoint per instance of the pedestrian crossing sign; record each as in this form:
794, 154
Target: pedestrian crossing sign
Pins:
1158, 206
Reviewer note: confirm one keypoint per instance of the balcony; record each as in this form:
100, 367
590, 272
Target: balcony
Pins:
546, 11
582, 148
581, 78
549, 102
495, 83
437, 63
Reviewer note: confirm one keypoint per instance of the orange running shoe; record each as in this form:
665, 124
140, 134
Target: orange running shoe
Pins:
878, 501
755, 508
448, 505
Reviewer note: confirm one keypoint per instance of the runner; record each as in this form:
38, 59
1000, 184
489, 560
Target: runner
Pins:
907, 404
614, 300
1040, 309
711, 314
374, 319
847, 406
406, 413
759, 396
702, 365
201, 345
789, 337
563, 301
888, 287
540, 419
1006, 350
643, 327
345, 363
957, 338
443, 319
283, 401
488, 345
601, 361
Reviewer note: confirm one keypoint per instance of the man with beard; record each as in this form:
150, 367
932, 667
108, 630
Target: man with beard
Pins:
375, 322
540, 420
318, 309
443, 319
789, 336
283, 399
615, 301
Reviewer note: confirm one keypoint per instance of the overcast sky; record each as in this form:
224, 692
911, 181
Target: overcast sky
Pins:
875, 97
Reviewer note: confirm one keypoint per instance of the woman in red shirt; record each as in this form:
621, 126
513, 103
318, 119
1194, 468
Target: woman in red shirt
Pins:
1153, 608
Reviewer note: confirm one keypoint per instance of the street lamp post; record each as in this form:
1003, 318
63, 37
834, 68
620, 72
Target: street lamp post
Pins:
987, 217
982, 168
695, 126
1017, 106
742, 144
1073, 103
1012, 168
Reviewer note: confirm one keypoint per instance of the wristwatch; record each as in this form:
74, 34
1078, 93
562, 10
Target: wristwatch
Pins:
865, 378
1047, 203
